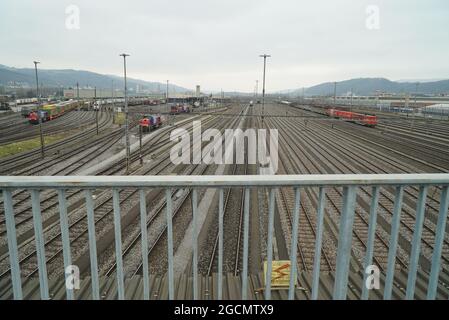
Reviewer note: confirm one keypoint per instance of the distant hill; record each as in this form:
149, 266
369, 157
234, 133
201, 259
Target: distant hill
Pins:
69, 78
369, 86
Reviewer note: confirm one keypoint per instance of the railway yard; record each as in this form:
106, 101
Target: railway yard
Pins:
310, 142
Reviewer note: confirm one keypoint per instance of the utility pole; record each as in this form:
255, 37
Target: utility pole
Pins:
377, 99
352, 94
140, 145
264, 56
124, 55
257, 90
96, 107
335, 93
112, 95
39, 109
78, 93
166, 102
416, 93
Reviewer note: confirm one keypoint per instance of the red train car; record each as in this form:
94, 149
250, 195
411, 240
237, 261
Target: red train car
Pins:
150, 122
360, 118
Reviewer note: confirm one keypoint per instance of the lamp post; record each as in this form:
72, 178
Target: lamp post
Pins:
335, 93
124, 55
112, 95
96, 108
166, 102
264, 56
78, 93
416, 94
257, 89
39, 109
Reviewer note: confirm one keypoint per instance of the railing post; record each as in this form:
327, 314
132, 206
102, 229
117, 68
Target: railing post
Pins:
393, 242
344, 243
144, 238
318, 244
269, 244
371, 238
92, 245
220, 245
171, 288
438, 248
245, 246
294, 245
12, 245
195, 243
40, 250
416, 243
118, 244
65, 239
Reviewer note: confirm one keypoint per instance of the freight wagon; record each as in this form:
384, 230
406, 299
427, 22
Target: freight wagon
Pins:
52, 111
360, 118
179, 108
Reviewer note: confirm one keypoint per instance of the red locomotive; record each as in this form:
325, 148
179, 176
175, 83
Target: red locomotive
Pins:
150, 122
33, 116
360, 118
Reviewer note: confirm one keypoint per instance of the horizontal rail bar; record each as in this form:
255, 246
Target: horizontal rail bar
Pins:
222, 180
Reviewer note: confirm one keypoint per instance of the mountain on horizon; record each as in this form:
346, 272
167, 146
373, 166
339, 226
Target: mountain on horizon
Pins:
69, 78
370, 86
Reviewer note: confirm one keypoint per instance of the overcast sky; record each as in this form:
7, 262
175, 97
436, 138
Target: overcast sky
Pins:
217, 43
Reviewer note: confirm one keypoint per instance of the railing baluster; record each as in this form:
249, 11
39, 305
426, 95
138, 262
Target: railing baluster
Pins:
371, 238
12, 245
40, 250
318, 243
195, 243
416, 243
92, 245
393, 242
438, 248
344, 243
171, 288
144, 238
269, 244
118, 244
245, 246
220, 245
65, 239
294, 245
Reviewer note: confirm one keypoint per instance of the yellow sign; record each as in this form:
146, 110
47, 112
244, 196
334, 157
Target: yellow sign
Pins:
280, 273
119, 118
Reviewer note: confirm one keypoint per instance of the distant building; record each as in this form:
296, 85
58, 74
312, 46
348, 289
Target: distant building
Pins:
198, 91
90, 93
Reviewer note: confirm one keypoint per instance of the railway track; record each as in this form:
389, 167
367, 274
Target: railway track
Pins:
28, 158
233, 212
386, 201
23, 212
333, 196
23, 130
104, 212
158, 242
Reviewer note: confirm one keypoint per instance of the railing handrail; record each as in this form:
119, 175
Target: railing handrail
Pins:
223, 180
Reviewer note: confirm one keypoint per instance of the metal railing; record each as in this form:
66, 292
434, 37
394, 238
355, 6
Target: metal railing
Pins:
350, 184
